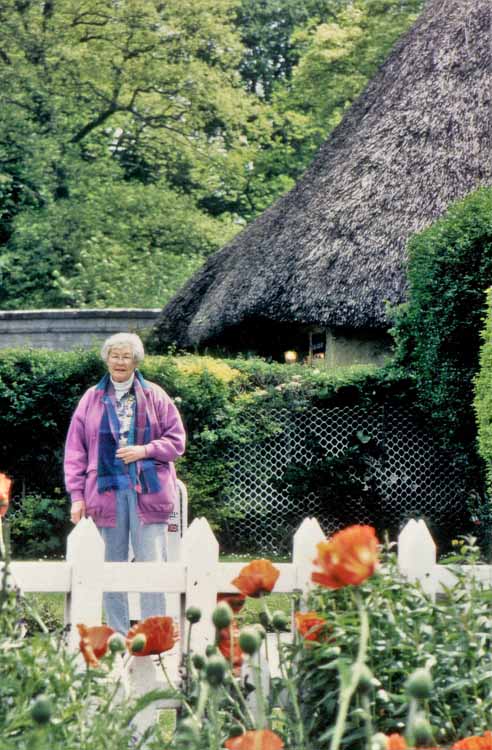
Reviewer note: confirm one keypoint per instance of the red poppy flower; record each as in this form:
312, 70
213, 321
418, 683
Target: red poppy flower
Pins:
235, 601
482, 742
94, 642
225, 645
160, 633
396, 742
256, 739
347, 558
257, 578
311, 626
5, 485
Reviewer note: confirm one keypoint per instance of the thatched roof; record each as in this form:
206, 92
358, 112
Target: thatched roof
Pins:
332, 250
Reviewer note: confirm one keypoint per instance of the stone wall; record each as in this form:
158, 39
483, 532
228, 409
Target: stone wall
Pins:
69, 329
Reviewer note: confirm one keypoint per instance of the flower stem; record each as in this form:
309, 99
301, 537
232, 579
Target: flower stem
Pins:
188, 659
298, 724
243, 703
202, 700
348, 690
260, 697
366, 705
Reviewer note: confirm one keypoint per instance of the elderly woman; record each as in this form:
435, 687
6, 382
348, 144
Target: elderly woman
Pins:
123, 438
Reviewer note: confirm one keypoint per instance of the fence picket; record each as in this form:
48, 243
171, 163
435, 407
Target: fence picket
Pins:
200, 555
417, 555
85, 553
307, 536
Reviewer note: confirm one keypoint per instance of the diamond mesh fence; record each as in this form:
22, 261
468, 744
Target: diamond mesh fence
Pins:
413, 479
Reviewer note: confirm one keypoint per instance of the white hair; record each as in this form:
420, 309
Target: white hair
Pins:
118, 340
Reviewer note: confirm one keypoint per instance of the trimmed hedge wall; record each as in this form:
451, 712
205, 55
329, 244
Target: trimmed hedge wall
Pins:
223, 402
483, 395
438, 330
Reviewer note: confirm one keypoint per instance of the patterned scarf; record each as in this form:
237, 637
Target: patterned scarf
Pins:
112, 473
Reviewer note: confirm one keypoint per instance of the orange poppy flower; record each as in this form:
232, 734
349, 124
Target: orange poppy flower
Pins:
483, 742
5, 485
255, 739
257, 578
235, 601
396, 742
94, 642
160, 632
311, 626
347, 558
224, 645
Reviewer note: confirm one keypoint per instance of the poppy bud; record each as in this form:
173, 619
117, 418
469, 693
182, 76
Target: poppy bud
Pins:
215, 670
365, 680
193, 614
260, 630
211, 650
116, 643
137, 643
198, 661
280, 620
188, 731
419, 684
264, 618
41, 709
249, 640
236, 730
421, 731
222, 616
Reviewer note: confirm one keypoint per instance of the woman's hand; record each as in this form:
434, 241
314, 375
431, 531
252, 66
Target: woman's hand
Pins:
78, 511
131, 453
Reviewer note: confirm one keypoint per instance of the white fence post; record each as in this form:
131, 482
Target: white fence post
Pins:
307, 536
85, 553
200, 554
417, 554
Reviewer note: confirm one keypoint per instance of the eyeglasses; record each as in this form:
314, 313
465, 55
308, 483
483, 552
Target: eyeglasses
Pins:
118, 358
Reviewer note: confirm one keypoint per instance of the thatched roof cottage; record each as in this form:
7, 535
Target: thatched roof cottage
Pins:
328, 256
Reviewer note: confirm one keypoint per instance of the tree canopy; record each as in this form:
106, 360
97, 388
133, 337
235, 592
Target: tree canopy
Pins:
137, 137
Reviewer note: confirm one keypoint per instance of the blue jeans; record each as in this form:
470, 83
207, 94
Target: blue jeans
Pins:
149, 545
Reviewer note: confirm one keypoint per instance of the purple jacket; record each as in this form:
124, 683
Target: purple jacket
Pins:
81, 454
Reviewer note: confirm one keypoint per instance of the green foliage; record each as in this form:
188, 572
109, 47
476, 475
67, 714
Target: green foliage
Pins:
135, 140
438, 330
116, 122
483, 392
38, 526
483, 411
450, 637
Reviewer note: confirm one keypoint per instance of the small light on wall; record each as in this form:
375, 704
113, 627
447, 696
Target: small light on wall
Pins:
290, 357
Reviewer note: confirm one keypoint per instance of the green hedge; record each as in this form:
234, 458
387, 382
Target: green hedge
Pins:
223, 403
438, 330
483, 400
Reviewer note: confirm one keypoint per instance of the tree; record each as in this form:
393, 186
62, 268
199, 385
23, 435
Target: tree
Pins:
335, 54
99, 99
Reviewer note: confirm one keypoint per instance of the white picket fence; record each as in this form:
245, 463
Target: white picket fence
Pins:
195, 577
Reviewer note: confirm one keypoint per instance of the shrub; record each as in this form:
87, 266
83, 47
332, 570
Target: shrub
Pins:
483, 408
438, 330
38, 526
